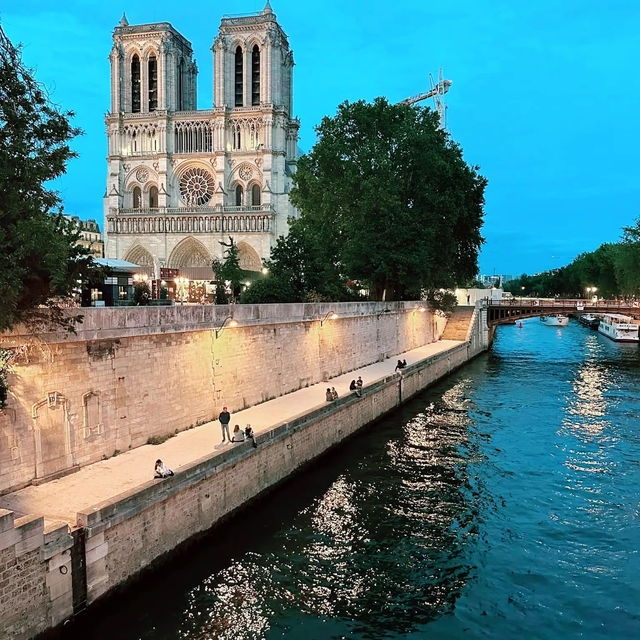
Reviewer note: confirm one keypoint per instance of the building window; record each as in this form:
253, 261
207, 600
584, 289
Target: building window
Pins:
153, 84
239, 196
137, 198
255, 195
238, 86
153, 198
135, 84
255, 76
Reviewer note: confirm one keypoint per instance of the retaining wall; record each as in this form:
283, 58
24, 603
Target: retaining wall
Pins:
130, 374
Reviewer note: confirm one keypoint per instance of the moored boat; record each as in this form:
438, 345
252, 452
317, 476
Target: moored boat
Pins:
618, 327
555, 320
589, 320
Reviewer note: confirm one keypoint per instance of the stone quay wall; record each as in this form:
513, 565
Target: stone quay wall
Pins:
130, 374
48, 574
35, 575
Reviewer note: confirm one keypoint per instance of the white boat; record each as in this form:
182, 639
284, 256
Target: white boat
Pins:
618, 327
555, 320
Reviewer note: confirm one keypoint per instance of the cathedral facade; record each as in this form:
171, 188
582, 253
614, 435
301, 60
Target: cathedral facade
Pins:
180, 180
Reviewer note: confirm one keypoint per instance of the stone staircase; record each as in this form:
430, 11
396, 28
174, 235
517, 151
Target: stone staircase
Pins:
458, 324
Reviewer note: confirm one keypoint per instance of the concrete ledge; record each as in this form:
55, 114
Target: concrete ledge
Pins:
56, 539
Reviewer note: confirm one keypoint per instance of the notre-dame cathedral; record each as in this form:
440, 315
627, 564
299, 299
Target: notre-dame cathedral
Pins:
180, 179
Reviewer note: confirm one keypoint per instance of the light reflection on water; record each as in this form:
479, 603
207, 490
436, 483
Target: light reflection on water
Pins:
501, 503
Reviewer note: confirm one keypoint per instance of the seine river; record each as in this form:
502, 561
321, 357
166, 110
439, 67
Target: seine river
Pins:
501, 503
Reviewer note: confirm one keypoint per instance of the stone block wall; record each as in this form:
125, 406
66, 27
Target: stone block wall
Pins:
35, 575
131, 374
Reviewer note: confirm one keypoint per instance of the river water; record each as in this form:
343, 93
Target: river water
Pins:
501, 503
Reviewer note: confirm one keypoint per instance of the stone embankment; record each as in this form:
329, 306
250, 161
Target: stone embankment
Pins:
94, 529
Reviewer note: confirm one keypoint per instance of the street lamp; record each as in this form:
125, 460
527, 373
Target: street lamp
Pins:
227, 322
330, 315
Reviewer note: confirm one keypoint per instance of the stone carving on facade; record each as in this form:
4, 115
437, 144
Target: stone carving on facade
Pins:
142, 175
245, 172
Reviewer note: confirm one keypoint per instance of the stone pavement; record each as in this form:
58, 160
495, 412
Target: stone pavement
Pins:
61, 499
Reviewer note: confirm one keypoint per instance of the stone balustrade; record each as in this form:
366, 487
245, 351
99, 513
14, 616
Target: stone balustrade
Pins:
217, 219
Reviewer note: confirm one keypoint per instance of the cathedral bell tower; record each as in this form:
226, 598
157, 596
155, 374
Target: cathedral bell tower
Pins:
180, 179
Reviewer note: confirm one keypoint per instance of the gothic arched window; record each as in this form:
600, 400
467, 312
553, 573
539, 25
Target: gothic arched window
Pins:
135, 84
137, 198
153, 198
255, 75
255, 195
153, 83
239, 195
238, 77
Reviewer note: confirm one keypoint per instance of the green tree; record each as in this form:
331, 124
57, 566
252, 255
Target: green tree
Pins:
141, 294
40, 265
228, 270
386, 199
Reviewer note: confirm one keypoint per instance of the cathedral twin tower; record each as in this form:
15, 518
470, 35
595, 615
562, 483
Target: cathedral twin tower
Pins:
181, 179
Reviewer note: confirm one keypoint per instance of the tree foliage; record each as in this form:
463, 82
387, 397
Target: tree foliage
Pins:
40, 265
228, 271
613, 268
387, 200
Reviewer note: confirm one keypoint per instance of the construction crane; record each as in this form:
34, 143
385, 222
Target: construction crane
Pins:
436, 91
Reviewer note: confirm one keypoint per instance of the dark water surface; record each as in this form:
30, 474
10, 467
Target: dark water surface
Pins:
501, 503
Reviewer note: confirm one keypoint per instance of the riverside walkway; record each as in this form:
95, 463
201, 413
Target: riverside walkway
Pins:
62, 499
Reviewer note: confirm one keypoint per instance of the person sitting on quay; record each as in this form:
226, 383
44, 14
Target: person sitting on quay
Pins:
353, 387
334, 393
249, 435
238, 434
161, 470
401, 365
329, 395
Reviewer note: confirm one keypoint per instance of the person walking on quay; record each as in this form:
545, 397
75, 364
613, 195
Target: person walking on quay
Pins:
225, 419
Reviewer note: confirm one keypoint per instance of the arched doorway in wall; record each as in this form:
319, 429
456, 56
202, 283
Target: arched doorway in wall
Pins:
141, 256
192, 260
248, 257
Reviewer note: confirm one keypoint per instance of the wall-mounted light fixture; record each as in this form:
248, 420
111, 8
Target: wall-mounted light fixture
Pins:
330, 315
420, 309
227, 322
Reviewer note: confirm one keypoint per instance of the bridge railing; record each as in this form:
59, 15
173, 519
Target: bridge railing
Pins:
563, 303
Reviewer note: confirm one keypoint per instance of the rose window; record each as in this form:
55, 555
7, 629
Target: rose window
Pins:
196, 186
245, 172
142, 174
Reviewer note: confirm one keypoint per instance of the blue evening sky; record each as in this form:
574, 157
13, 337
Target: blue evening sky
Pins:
545, 96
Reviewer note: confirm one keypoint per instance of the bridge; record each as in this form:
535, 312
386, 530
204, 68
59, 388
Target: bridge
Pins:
510, 311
